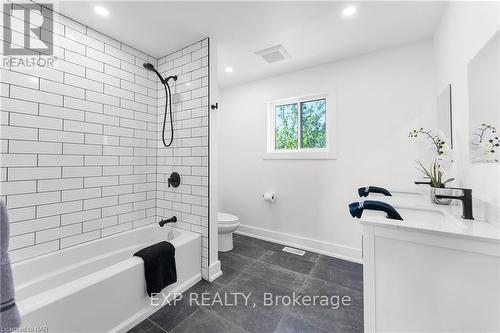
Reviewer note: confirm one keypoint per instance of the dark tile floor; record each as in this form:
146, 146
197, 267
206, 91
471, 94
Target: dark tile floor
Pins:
257, 267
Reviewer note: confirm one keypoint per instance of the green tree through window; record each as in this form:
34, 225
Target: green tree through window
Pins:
286, 120
311, 121
313, 124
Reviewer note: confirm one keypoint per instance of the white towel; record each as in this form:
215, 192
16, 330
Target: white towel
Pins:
9, 314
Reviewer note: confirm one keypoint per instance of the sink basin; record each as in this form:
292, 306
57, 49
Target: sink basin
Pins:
400, 197
419, 218
410, 197
420, 215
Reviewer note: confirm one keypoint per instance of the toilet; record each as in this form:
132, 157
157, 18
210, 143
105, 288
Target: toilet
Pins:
227, 223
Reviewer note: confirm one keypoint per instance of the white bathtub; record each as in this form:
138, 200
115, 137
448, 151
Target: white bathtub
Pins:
99, 286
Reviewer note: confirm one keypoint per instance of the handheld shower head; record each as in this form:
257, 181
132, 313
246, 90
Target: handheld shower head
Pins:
168, 102
148, 66
152, 68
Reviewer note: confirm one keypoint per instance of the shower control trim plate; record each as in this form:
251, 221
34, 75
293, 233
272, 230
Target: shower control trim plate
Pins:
174, 180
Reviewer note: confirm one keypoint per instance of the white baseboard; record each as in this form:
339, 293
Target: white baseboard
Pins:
313, 245
214, 271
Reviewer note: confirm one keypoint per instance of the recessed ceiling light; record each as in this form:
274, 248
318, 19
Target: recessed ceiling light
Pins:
101, 10
229, 69
349, 11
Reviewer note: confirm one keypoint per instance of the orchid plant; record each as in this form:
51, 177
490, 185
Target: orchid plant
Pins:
434, 174
435, 139
486, 141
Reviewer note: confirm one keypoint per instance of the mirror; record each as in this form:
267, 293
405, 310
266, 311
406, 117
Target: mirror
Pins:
445, 119
484, 102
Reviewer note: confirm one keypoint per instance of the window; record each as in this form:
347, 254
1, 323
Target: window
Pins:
301, 128
286, 126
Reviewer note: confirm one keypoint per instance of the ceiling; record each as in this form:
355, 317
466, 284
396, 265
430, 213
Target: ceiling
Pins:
312, 32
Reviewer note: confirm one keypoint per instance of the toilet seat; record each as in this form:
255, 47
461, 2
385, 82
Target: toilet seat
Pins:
225, 218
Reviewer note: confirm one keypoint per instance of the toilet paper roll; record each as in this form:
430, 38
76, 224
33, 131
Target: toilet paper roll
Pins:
269, 196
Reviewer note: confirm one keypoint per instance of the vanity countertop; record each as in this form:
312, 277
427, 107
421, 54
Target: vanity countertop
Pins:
426, 217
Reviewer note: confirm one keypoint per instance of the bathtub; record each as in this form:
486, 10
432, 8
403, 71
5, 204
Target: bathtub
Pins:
99, 286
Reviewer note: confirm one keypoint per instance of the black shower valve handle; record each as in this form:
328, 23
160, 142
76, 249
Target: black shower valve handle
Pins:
174, 179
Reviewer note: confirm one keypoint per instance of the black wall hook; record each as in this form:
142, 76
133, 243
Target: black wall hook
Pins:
215, 106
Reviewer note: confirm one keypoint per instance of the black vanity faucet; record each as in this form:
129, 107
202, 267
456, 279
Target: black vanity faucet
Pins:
466, 199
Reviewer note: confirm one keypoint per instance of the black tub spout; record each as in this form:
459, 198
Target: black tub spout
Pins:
173, 219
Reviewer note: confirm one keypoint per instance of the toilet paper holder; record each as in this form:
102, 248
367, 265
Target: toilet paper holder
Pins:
269, 196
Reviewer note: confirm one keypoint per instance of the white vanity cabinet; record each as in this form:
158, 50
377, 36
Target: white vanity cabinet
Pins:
430, 276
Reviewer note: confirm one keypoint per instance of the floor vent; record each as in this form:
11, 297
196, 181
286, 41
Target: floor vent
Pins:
294, 251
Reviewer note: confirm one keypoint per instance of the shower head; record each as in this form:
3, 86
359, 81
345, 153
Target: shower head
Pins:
152, 68
148, 66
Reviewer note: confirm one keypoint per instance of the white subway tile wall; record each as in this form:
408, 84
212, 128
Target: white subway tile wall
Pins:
188, 154
81, 153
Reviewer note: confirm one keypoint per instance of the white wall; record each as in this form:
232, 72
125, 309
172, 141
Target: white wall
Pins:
214, 263
379, 98
464, 29
188, 154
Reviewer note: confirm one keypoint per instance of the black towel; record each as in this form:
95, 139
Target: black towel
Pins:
159, 266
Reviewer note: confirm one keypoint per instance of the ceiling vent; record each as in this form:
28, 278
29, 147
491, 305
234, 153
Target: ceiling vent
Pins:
274, 54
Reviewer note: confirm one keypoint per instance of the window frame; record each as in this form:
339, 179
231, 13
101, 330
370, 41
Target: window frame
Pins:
329, 152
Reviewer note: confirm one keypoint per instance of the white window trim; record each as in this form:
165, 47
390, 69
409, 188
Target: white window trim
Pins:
327, 153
